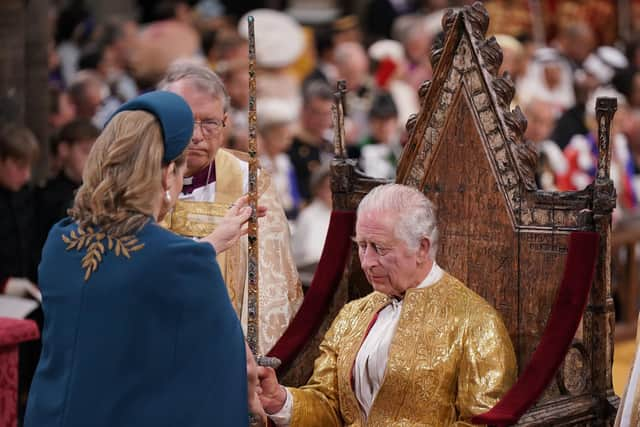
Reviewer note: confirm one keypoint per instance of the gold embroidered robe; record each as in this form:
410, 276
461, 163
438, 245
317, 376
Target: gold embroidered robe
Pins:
280, 293
450, 359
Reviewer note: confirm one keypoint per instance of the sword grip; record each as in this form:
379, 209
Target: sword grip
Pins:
270, 362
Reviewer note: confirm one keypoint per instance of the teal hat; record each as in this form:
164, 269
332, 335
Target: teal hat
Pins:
173, 113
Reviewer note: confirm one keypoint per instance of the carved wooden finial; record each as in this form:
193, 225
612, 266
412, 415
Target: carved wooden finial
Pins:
448, 19
411, 123
422, 91
605, 109
505, 90
339, 140
524, 151
516, 123
478, 17
604, 193
491, 54
437, 47
476, 60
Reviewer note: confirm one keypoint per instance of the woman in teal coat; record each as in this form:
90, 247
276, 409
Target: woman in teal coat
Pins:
139, 330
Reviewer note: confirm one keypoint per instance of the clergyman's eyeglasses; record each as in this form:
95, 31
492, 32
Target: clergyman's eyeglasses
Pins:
210, 127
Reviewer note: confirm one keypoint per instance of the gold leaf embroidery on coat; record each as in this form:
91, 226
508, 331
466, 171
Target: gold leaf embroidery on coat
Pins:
94, 243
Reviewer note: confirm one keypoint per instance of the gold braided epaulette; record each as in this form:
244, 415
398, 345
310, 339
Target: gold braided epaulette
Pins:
92, 241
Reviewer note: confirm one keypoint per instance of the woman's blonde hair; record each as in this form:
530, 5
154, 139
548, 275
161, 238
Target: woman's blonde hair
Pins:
123, 175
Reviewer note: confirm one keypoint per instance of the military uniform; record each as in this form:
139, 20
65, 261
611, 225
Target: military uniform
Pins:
306, 157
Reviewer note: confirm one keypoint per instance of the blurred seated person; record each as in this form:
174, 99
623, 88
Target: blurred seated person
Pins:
582, 156
275, 119
61, 109
18, 246
118, 37
421, 331
229, 55
311, 146
137, 320
346, 29
605, 64
61, 112
92, 97
598, 70
416, 34
352, 63
551, 161
102, 58
380, 150
632, 132
312, 225
325, 69
73, 146
574, 41
169, 37
380, 16
390, 69
549, 78
514, 59
634, 89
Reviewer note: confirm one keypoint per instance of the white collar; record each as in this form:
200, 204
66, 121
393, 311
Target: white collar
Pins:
434, 275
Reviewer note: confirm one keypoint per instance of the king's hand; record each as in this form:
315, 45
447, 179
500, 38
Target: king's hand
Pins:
272, 395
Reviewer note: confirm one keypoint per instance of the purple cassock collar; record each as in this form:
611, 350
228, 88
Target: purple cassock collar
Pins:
199, 179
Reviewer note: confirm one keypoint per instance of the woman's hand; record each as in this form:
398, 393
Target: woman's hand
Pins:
233, 225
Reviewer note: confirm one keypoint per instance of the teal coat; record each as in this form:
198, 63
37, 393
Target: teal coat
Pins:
148, 339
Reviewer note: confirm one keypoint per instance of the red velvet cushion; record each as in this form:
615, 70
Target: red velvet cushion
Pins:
12, 333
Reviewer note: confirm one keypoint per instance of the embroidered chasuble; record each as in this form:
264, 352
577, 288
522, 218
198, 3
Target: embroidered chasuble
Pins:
196, 215
450, 359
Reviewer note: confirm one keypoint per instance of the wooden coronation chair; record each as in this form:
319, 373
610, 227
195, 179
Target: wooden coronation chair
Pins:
541, 258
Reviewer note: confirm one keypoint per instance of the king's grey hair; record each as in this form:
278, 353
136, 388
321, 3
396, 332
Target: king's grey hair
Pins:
200, 76
416, 218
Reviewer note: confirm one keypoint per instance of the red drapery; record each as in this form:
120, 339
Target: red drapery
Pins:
566, 313
323, 286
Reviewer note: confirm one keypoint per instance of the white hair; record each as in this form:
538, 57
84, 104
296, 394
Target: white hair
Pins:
200, 76
416, 214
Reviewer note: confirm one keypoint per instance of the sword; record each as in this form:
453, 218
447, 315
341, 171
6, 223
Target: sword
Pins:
253, 301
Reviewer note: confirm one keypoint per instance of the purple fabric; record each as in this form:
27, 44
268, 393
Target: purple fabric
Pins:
200, 179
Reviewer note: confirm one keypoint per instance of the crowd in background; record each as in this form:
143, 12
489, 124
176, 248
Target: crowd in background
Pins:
383, 54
